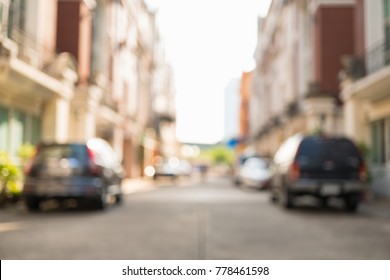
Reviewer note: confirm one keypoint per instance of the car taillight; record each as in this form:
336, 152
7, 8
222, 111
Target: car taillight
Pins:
363, 176
92, 166
295, 171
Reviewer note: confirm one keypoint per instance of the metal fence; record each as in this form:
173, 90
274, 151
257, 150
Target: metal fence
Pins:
377, 57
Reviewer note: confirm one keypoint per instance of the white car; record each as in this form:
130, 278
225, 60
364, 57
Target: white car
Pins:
255, 172
163, 167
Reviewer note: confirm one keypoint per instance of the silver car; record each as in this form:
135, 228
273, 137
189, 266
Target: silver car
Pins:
256, 173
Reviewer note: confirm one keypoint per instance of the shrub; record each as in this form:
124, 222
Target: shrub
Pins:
9, 178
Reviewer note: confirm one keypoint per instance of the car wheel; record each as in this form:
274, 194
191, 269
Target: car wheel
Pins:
33, 204
118, 198
287, 199
101, 202
324, 202
273, 198
351, 203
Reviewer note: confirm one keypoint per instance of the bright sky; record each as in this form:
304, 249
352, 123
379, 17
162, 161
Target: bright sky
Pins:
207, 42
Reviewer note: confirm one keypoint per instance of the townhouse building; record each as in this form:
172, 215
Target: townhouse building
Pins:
72, 70
298, 60
36, 83
365, 84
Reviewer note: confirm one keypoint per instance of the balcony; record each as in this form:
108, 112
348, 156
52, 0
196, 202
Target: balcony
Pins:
374, 60
368, 76
30, 51
29, 73
377, 58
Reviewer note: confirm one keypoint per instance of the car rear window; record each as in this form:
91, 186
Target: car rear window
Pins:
333, 149
62, 151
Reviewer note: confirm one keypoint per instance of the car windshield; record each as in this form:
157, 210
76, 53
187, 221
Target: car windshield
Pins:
331, 149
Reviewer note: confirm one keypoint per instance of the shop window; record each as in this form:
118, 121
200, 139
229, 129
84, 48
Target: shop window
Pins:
18, 128
380, 136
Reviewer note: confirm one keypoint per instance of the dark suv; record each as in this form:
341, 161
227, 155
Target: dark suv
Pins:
320, 166
88, 171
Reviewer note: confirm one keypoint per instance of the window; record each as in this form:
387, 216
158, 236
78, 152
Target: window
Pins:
16, 16
4, 129
18, 131
36, 128
18, 128
378, 136
4, 4
386, 8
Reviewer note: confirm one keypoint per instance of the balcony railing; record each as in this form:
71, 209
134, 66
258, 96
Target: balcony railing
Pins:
30, 51
377, 57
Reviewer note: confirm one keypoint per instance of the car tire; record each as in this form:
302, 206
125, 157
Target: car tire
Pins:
351, 203
101, 202
273, 198
287, 199
324, 201
33, 204
118, 198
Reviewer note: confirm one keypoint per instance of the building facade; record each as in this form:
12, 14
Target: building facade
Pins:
73, 70
298, 60
366, 79
36, 83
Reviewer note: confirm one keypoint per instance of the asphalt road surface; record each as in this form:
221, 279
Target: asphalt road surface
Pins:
195, 220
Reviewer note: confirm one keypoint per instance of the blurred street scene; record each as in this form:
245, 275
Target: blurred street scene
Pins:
116, 142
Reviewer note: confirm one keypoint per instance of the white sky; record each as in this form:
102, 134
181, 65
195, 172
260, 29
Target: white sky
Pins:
207, 42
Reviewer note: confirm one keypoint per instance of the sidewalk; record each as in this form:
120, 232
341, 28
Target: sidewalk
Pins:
139, 184
377, 206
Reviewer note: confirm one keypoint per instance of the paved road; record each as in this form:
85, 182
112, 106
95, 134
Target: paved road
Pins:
201, 220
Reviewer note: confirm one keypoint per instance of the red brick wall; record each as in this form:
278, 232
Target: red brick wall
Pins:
74, 34
333, 37
68, 27
359, 28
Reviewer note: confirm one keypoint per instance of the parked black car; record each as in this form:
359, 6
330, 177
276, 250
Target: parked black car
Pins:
320, 166
83, 171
